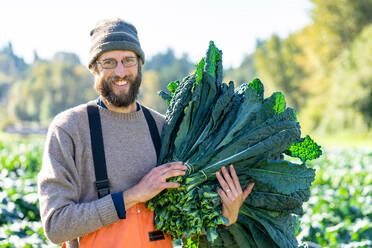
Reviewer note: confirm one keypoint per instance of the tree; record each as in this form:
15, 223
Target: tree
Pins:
246, 72
337, 23
148, 92
277, 67
65, 57
352, 87
160, 61
168, 67
12, 66
50, 88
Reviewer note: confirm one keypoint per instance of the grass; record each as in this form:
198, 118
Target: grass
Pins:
344, 140
9, 137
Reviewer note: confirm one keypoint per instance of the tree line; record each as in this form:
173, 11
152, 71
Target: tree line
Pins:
323, 69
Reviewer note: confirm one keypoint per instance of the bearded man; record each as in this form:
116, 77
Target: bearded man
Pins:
99, 160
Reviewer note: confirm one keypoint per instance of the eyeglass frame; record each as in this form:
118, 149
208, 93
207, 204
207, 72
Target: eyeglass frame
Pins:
116, 62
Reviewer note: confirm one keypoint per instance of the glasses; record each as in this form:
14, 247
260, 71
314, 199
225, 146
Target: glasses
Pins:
112, 63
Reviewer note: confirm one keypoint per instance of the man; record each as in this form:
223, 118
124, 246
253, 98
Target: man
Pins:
97, 199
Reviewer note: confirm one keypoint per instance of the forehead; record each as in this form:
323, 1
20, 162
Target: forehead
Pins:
117, 54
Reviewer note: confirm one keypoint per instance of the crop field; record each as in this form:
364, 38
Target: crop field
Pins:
338, 214
20, 224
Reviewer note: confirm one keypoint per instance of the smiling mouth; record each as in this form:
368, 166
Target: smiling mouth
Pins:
120, 84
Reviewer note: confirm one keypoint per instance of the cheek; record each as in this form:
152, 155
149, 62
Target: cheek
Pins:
98, 81
96, 84
133, 73
102, 77
105, 75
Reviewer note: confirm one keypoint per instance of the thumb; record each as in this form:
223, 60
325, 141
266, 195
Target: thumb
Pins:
248, 190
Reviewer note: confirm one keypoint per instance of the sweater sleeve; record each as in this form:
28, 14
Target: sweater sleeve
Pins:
62, 216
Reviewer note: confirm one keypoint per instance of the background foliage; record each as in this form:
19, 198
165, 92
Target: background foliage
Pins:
323, 69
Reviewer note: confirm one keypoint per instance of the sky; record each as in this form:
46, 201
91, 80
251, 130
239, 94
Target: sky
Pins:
187, 27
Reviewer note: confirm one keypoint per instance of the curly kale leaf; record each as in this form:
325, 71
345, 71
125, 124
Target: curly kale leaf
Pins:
305, 149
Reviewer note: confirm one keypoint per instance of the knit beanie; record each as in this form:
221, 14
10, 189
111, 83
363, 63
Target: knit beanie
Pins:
113, 34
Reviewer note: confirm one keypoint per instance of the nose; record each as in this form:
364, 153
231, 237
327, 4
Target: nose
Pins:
120, 70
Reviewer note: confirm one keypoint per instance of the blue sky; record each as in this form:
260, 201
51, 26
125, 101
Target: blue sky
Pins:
185, 26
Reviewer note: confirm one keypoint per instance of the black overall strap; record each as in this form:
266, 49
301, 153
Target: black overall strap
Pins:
153, 130
156, 235
99, 160
98, 151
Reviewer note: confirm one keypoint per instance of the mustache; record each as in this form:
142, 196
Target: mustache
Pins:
117, 78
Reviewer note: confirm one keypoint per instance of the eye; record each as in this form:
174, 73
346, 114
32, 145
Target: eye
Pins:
109, 62
130, 61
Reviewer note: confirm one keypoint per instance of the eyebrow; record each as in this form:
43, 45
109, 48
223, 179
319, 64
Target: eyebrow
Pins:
125, 57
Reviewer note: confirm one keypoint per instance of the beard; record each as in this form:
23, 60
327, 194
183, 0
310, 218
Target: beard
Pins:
104, 88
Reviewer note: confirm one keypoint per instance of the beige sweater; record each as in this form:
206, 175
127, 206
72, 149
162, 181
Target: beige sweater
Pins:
69, 205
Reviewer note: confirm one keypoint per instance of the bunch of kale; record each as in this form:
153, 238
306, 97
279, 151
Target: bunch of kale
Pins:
209, 124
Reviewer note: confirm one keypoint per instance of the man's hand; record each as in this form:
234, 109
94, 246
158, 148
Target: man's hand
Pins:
153, 183
231, 193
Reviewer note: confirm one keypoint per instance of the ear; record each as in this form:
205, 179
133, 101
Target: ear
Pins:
93, 70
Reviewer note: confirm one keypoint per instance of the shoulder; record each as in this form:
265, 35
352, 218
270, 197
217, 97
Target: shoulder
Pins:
71, 119
158, 117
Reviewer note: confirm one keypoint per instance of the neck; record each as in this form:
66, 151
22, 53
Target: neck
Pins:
131, 108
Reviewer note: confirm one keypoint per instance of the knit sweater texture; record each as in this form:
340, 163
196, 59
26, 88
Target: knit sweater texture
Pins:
69, 205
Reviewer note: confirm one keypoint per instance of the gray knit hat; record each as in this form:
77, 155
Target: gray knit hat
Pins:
113, 34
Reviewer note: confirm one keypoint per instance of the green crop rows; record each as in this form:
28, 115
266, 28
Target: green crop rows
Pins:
20, 224
338, 214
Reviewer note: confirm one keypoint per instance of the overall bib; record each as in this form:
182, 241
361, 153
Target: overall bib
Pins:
137, 229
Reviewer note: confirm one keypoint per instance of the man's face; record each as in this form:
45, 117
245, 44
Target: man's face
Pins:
118, 85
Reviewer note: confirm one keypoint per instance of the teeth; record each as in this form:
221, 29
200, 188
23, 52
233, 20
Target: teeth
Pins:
120, 83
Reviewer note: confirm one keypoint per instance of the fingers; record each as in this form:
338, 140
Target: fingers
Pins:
171, 166
228, 179
171, 169
222, 181
224, 197
248, 190
155, 181
169, 185
231, 185
225, 188
227, 183
172, 173
235, 179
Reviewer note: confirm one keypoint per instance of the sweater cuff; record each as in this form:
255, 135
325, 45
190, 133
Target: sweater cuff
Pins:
106, 210
118, 200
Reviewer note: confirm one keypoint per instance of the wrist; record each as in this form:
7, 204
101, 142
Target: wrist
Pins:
130, 198
231, 220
